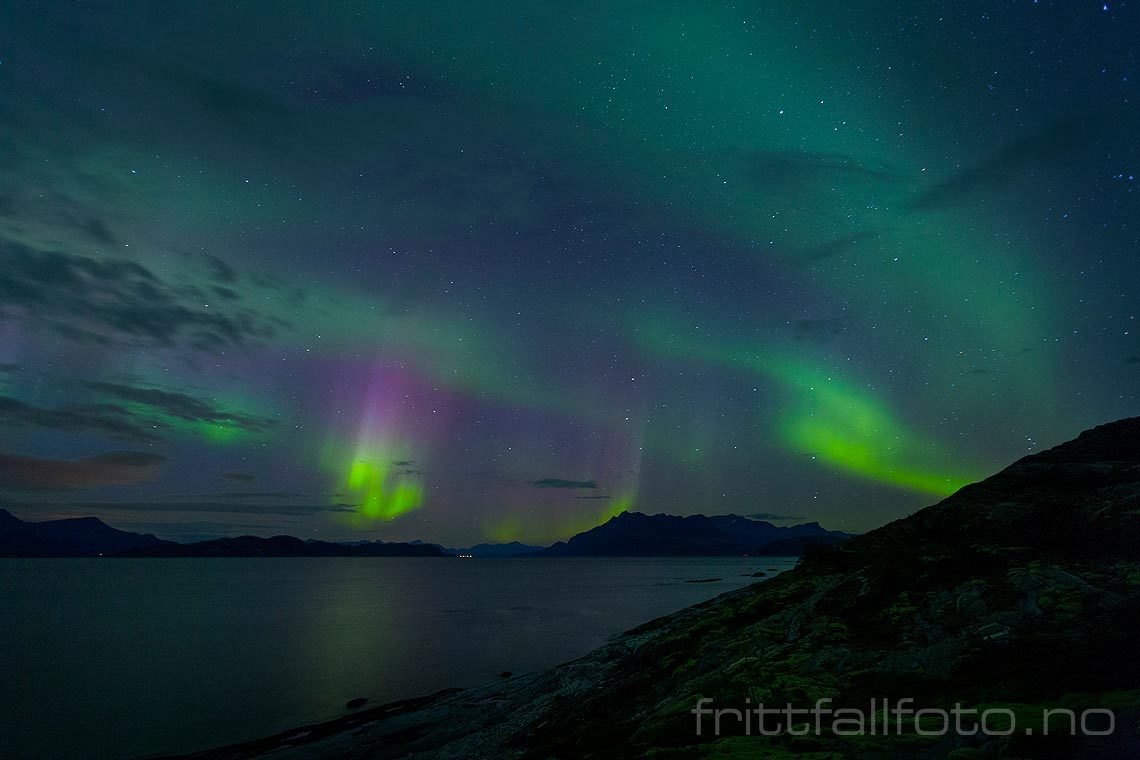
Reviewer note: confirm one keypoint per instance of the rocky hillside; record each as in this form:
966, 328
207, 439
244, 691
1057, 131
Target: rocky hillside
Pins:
1021, 592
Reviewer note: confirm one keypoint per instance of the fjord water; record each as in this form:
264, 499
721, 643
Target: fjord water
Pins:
126, 658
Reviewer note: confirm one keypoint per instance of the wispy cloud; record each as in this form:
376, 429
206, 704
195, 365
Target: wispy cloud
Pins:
563, 483
240, 507
241, 477
1018, 158
840, 245
116, 301
773, 517
182, 406
109, 419
22, 473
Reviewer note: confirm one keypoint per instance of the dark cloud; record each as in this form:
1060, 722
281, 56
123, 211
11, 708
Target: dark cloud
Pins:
354, 83
839, 246
219, 98
781, 168
55, 208
403, 463
1019, 158
561, 483
137, 425
816, 329
99, 418
22, 473
8, 367
245, 508
99, 231
248, 495
113, 300
242, 477
591, 497
222, 99
189, 531
773, 517
182, 406
220, 270
1132, 360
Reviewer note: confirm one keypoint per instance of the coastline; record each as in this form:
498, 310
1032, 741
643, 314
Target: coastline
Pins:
314, 732
278, 644
480, 723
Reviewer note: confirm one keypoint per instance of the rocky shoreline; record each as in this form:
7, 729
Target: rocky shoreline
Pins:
1020, 594
478, 723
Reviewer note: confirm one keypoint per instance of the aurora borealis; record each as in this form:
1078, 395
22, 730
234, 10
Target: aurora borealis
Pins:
471, 271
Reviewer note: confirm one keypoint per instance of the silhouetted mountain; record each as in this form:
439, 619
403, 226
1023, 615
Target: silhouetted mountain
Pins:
1019, 594
491, 551
634, 534
758, 532
71, 537
285, 546
629, 534
639, 535
798, 546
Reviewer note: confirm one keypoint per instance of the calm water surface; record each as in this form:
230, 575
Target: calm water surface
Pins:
128, 658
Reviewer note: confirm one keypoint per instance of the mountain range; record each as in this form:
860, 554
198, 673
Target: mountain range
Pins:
498, 551
634, 534
285, 546
630, 534
1017, 597
71, 537
91, 537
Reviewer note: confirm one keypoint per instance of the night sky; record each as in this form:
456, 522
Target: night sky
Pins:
494, 271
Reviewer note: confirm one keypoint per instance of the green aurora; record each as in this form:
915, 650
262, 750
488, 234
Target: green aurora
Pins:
377, 272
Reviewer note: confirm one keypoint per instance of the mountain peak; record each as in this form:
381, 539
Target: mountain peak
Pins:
87, 520
636, 534
1018, 590
1075, 499
1111, 442
69, 537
